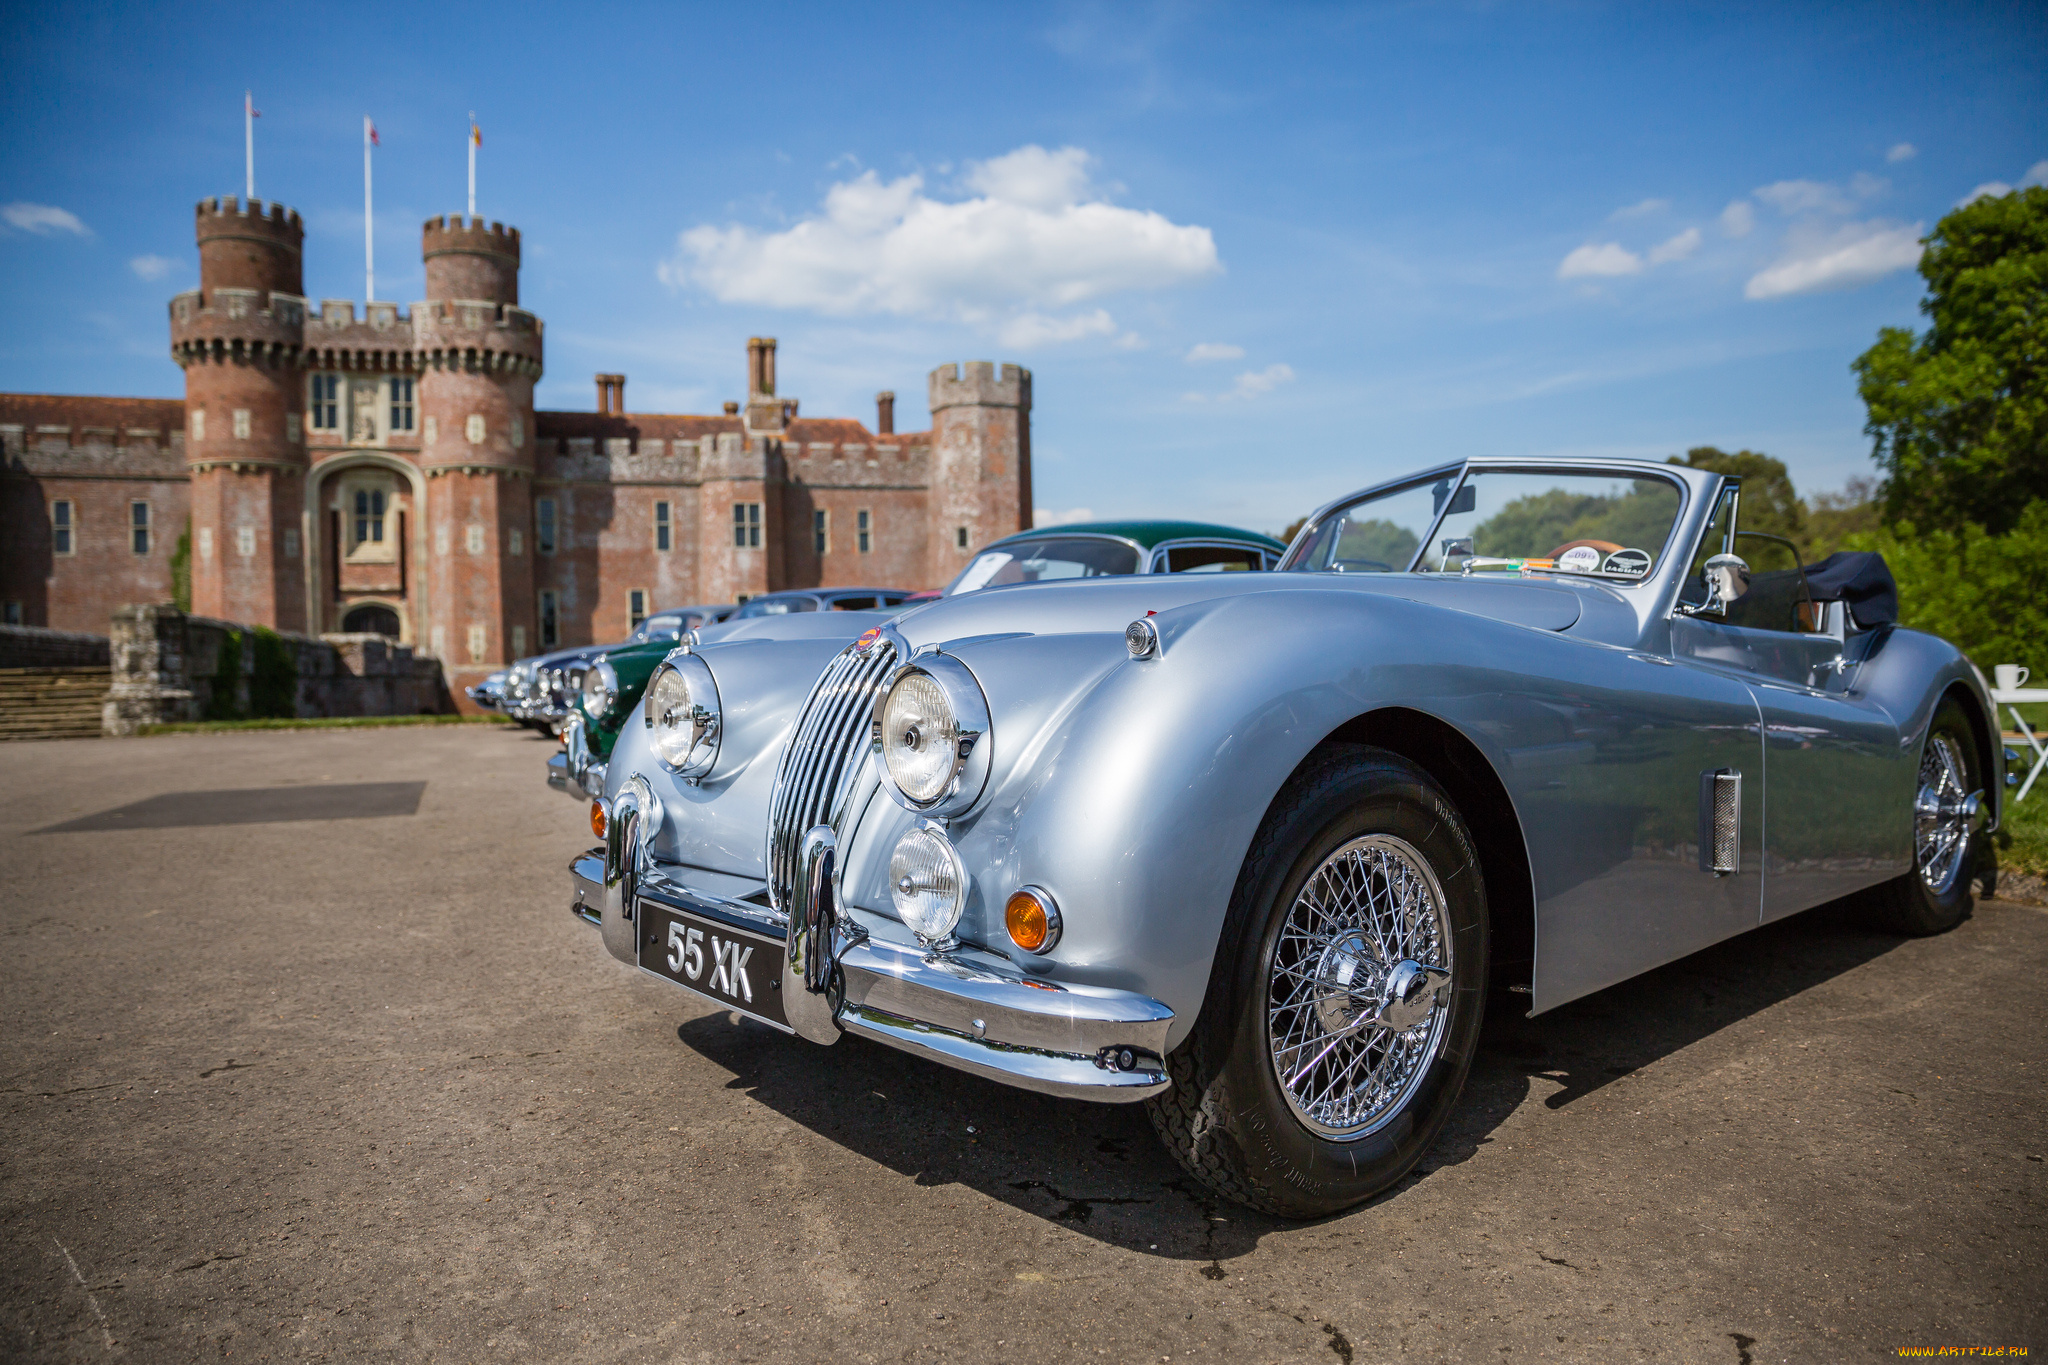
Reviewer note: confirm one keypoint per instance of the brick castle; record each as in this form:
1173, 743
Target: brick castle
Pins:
390, 473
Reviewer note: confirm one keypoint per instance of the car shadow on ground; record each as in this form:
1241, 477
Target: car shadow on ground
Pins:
1098, 1168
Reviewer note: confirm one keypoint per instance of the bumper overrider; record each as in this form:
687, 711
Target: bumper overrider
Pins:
1075, 1041
573, 768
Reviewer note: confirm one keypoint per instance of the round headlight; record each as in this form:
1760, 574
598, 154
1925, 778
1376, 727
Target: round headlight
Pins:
931, 733
927, 883
600, 687
682, 711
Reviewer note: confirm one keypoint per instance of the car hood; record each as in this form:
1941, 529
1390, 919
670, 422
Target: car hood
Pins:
1105, 604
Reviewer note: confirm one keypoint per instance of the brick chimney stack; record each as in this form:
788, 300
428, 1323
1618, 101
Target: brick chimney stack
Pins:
611, 395
885, 413
760, 367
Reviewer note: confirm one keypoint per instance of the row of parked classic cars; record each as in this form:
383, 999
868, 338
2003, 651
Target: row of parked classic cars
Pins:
1249, 832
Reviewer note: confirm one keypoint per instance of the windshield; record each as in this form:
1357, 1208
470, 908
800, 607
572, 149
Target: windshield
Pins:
1038, 561
777, 606
1589, 522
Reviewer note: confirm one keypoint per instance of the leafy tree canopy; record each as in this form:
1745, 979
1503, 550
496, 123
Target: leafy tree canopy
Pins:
1958, 416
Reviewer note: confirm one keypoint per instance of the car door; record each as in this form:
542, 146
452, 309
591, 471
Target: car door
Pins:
1836, 787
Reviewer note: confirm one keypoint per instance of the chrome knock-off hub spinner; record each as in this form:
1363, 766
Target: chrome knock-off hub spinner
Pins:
1349, 984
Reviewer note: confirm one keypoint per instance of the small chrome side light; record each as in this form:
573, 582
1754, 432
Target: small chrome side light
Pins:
1033, 919
1141, 637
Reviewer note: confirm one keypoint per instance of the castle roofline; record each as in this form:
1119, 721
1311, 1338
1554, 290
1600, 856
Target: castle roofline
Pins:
91, 410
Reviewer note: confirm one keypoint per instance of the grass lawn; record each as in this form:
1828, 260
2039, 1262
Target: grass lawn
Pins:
2023, 842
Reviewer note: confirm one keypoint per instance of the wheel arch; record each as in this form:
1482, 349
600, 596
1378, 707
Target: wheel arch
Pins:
1991, 762
1447, 755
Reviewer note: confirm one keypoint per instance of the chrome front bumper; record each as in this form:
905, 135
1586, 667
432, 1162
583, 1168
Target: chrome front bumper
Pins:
573, 768
977, 1014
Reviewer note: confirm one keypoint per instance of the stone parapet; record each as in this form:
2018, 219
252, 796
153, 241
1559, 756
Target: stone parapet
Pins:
168, 667
36, 647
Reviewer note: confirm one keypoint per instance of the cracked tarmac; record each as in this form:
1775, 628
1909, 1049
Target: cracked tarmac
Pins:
359, 1088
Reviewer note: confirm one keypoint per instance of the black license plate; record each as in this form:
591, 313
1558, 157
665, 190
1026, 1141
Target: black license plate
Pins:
735, 967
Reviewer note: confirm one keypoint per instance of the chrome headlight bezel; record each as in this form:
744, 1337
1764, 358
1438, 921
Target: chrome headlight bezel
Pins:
696, 720
600, 689
972, 741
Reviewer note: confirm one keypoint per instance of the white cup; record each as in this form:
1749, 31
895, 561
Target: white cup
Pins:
2011, 677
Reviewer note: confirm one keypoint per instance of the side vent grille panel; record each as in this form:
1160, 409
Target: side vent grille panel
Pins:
1721, 821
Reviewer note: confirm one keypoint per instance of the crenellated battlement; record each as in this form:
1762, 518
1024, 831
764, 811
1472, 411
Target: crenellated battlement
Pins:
469, 236
226, 215
238, 326
980, 383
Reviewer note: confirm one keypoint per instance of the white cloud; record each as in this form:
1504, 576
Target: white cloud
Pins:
1250, 384
1609, 258
1028, 330
1903, 151
1678, 248
152, 267
1045, 516
1990, 189
44, 220
1214, 350
1738, 218
2037, 174
1037, 238
1647, 206
1851, 255
1793, 197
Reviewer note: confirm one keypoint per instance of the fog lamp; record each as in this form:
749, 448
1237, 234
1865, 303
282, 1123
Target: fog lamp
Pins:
927, 883
597, 817
1032, 919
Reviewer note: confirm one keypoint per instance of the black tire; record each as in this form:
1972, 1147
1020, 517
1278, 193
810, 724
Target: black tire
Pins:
1227, 1118
1918, 904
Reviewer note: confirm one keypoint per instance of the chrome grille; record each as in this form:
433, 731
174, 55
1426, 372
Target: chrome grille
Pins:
823, 759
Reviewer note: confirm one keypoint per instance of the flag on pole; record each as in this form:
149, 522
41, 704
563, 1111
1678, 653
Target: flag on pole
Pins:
250, 113
249, 104
370, 129
476, 134
476, 140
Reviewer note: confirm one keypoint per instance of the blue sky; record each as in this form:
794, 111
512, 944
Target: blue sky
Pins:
1254, 256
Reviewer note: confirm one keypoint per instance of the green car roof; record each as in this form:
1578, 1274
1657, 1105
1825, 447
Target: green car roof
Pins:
1149, 534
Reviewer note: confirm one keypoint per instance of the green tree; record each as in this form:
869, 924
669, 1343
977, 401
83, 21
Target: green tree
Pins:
1769, 502
1958, 415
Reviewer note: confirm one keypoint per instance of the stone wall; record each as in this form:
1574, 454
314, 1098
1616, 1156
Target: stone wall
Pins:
34, 647
170, 667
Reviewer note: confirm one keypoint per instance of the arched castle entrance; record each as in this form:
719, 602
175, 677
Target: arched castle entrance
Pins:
365, 532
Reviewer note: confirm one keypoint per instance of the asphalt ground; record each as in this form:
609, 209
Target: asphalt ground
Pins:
337, 1077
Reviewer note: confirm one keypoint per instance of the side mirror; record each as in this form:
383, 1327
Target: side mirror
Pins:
1727, 579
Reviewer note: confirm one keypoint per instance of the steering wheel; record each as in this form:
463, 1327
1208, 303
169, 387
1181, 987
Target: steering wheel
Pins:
1605, 547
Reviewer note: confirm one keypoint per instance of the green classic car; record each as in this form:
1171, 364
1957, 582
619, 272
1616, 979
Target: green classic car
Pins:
612, 684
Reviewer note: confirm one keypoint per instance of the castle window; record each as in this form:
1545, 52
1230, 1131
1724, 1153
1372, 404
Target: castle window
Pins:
138, 527
821, 530
960, 537
63, 527
550, 632
323, 409
245, 541
401, 403
515, 541
473, 538
636, 606
199, 424
477, 640
241, 424
746, 525
369, 516
863, 525
13, 615
474, 429
292, 428
661, 526
544, 526
291, 543
518, 641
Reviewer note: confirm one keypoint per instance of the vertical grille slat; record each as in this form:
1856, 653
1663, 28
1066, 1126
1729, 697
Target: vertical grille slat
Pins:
822, 758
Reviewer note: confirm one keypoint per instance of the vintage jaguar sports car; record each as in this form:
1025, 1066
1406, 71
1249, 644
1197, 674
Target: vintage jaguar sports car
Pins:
1253, 848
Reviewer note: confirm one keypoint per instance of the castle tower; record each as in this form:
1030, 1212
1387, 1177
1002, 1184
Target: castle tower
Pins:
478, 354
239, 338
981, 460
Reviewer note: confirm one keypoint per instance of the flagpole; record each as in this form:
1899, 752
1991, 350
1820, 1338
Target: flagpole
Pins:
249, 138
472, 163
369, 252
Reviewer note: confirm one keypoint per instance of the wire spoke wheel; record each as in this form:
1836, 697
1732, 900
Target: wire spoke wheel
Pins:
1358, 987
1942, 813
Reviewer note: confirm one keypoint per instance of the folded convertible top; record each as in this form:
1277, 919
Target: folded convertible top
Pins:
1863, 580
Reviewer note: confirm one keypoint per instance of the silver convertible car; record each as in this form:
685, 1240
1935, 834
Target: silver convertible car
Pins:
1254, 849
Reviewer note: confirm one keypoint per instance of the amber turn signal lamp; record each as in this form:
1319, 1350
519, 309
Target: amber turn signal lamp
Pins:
597, 818
1032, 919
